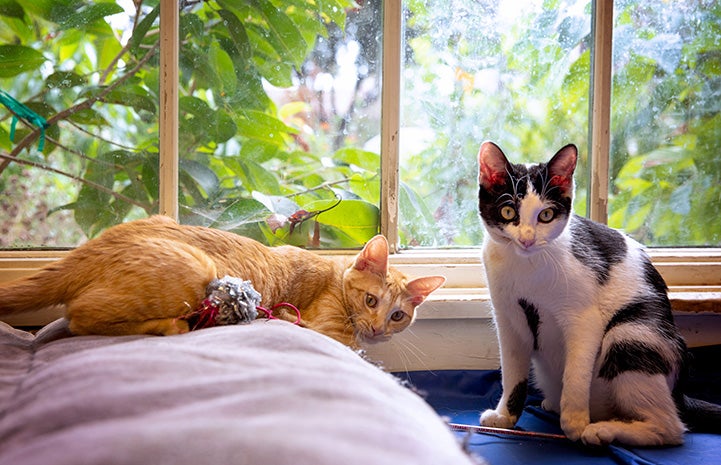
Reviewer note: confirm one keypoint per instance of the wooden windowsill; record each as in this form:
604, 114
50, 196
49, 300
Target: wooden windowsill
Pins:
699, 301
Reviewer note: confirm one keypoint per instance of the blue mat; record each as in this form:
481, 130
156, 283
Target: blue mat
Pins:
462, 395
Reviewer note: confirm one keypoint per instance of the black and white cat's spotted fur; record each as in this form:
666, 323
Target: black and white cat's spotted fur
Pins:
584, 305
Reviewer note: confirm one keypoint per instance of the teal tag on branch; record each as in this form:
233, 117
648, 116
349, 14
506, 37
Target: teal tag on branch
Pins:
21, 111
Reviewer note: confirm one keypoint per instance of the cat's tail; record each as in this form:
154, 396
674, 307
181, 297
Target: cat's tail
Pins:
701, 416
43, 289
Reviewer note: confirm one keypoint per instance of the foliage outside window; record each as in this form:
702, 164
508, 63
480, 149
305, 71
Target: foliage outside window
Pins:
280, 115
257, 157
666, 122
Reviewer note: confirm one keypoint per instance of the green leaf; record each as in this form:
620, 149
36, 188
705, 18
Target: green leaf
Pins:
52, 10
240, 214
335, 10
195, 107
638, 218
636, 186
191, 26
108, 49
258, 151
64, 80
418, 218
5, 141
223, 69
368, 189
142, 29
92, 202
357, 219
370, 161
130, 98
283, 34
149, 174
223, 128
11, 9
254, 176
18, 59
201, 175
308, 24
86, 16
129, 95
90, 117
277, 73
238, 34
258, 125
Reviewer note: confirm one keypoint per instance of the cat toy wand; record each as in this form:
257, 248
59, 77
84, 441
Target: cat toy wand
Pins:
505, 431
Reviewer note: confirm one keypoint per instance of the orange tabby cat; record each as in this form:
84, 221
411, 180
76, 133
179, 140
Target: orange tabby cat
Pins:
142, 277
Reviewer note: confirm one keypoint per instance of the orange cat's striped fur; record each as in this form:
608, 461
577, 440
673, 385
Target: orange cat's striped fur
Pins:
140, 277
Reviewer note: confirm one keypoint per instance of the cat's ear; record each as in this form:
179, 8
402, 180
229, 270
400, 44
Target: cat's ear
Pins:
373, 257
420, 288
561, 167
493, 166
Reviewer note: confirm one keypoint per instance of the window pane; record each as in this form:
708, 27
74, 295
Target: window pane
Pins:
277, 101
95, 165
513, 72
666, 122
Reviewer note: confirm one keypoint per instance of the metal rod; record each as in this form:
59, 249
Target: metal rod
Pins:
506, 432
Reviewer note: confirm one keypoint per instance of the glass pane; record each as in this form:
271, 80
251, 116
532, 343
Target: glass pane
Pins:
513, 72
67, 63
666, 122
278, 99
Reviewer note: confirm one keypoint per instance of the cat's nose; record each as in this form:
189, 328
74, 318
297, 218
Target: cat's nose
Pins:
527, 242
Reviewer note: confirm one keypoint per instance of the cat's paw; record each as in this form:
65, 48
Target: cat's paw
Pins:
598, 434
176, 326
574, 425
495, 419
549, 406
635, 433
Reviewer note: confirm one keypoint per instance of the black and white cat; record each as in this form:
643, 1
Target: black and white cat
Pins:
584, 304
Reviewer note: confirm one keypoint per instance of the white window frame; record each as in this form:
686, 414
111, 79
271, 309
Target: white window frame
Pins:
693, 274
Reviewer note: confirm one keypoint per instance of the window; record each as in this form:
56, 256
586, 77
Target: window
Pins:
665, 169
320, 123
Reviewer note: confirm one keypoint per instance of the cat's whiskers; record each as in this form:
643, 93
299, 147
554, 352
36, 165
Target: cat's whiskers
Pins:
510, 197
399, 349
546, 188
408, 348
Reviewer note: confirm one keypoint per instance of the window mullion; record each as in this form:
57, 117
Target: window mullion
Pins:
390, 119
600, 110
168, 118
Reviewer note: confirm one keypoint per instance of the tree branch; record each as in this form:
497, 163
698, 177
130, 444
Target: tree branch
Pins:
92, 184
106, 73
326, 186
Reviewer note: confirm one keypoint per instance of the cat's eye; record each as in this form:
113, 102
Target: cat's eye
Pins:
371, 300
546, 215
508, 213
398, 315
